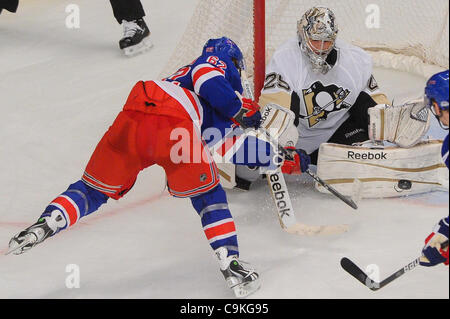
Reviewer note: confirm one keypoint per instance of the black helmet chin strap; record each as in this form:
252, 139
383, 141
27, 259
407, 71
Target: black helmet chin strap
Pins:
438, 116
440, 123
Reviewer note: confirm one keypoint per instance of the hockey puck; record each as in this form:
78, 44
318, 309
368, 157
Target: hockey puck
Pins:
404, 184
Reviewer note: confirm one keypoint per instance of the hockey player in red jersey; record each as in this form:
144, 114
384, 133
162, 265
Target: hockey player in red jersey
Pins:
142, 135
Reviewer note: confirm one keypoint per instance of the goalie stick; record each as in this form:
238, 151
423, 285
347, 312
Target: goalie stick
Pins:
346, 200
280, 193
350, 267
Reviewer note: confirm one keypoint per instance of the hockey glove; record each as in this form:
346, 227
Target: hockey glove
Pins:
298, 162
249, 115
433, 254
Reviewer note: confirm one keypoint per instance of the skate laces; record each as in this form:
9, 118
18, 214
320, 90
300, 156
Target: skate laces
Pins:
245, 265
130, 28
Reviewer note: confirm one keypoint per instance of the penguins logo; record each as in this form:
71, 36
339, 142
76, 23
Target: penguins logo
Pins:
322, 100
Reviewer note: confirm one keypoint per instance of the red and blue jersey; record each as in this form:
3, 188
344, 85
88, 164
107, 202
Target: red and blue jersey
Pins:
215, 79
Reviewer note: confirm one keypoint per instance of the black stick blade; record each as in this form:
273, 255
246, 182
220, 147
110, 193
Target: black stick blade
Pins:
350, 267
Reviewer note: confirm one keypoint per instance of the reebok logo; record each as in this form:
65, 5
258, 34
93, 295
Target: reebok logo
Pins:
279, 196
367, 156
265, 114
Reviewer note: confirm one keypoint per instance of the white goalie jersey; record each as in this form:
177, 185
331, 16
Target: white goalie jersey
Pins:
319, 102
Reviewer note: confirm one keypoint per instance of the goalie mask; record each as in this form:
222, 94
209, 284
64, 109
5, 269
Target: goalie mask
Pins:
436, 91
317, 32
226, 46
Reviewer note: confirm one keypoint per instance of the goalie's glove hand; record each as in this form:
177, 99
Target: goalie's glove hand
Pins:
249, 115
433, 253
298, 161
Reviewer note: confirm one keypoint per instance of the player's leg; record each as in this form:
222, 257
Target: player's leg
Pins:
197, 177
130, 14
111, 172
128, 10
10, 5
220, 230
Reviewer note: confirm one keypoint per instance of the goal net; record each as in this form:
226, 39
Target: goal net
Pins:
408, 35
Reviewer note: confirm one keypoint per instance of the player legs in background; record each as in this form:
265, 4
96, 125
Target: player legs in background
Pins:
136, 33
10, 5
140, 137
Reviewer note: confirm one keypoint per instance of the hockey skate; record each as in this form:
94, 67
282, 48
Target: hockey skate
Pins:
242, 279
45, 227
136, 37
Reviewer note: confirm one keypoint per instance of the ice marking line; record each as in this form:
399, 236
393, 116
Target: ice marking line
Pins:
130, 206
103, 215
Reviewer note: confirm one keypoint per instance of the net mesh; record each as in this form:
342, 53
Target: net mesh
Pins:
409, 35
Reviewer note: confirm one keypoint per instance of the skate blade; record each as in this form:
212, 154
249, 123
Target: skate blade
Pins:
246, 289
142, 47
15, 246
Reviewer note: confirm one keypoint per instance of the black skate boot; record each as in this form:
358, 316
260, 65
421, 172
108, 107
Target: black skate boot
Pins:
136, 37
242, 279
36, 233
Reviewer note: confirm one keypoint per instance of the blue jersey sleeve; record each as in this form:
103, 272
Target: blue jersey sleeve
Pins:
216, 79
445, 151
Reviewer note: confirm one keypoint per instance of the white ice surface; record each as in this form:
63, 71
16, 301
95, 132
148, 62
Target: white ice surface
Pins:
60, 89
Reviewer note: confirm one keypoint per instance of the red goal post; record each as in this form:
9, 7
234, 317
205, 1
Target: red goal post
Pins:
407, 35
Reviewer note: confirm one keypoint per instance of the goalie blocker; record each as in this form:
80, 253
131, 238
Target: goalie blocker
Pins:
379, 172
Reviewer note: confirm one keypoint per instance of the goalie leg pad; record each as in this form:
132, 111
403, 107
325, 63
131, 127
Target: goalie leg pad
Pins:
385, 172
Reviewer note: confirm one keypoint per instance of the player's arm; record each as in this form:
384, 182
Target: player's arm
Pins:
212, 83
373, 90
433, 253
277, 89
403, 125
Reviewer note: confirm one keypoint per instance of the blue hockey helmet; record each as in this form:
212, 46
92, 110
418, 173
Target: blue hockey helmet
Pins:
437, 90
226, 46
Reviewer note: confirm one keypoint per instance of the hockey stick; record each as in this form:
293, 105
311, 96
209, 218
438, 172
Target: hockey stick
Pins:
350, 267
280, 193
333, 191
249, 93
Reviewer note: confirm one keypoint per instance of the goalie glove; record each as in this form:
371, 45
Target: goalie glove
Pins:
403, 125
298, 162
433, 254
249, 115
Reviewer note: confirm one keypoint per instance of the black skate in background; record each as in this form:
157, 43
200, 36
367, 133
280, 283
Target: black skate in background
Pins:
10, 5
136, 39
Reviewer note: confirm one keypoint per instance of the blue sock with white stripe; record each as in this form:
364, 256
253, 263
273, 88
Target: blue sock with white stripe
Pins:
217, 222
77, 201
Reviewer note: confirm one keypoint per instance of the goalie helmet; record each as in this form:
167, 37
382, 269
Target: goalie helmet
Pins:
317, 32
436, 90
228, 47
